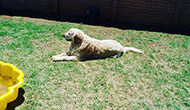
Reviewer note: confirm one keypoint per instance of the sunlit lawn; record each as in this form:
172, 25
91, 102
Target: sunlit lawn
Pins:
158, 79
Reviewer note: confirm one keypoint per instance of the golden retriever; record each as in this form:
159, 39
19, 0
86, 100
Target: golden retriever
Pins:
84, 47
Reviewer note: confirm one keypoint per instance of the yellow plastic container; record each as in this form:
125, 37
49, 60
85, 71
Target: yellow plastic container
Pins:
11, 79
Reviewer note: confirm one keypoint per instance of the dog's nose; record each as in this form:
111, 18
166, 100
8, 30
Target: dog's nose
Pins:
63, 35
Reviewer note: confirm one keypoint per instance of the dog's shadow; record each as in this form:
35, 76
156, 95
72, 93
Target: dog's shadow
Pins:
92, 59
19, 100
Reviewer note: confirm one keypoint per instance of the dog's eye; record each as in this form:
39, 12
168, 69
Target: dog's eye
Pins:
70, 33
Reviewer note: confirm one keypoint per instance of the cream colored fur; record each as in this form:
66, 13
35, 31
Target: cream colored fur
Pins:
84, 47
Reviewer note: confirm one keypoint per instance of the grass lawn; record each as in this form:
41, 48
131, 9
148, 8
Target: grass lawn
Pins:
159, 79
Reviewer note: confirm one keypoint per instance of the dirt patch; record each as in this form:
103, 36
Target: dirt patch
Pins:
18, 19
6, 17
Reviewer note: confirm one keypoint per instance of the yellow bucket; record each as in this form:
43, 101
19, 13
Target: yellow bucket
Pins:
11, 79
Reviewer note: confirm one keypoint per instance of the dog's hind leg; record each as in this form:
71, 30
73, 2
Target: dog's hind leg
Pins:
117, 55
132, 49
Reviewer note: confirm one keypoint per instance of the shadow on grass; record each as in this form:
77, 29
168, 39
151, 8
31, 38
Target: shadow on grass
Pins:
107, 23
19, 100
88, 59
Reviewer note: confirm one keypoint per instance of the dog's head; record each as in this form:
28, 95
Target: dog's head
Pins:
74, 35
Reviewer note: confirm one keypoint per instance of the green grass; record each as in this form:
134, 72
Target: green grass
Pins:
159, 79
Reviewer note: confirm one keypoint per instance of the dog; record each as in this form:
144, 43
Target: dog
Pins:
84, 47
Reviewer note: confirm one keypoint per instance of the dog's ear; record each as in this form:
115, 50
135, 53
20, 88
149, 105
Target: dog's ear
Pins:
78, 38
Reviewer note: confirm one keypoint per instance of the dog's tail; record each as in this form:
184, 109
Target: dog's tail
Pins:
132, 49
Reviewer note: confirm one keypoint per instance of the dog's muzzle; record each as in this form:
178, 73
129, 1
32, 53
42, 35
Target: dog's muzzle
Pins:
66, 38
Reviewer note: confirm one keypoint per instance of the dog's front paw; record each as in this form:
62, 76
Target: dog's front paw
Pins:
54, 58
141, 51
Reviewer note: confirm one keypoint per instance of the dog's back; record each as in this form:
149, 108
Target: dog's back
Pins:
100, 48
